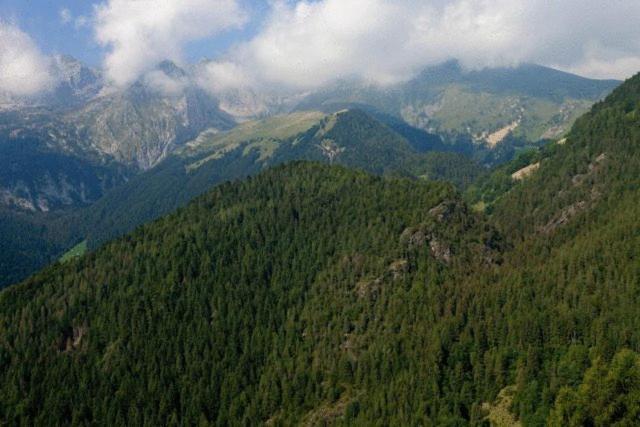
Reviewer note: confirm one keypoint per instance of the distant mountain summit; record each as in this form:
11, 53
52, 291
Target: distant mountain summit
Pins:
136, 126
529, 101
69, 147
171, 69
526, 79
74, 84
140, 124
77, 83
143, 123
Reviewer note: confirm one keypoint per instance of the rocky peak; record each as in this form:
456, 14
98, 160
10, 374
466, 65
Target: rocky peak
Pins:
77, 83
171, 69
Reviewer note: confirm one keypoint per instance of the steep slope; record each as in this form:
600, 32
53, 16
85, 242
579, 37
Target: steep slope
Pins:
77, 83
38, 178
68, 155
66, 149
350, 138
45, 173
244, 289
141, 125
593, 166
569, 290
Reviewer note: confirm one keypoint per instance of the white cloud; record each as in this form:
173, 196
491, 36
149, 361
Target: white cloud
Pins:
218, 76
599, 68
605, 63
81, 22
141, 33
65, 15
167, 85
305, 44
24, 70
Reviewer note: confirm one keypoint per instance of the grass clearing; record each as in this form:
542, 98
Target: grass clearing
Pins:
75, 252
262, 135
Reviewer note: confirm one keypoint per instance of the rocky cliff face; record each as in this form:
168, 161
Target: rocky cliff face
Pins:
37, 177
77, 83
85, 138
142, 124
140, 127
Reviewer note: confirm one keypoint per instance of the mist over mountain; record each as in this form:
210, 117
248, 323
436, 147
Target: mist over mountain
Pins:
107, 134
140, 124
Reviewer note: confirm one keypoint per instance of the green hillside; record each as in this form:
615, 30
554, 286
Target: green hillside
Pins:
574, 224
310, 294
264, 292
350, 138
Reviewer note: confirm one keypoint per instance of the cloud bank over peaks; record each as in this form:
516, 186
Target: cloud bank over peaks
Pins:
24, 70
167, 85
220, 76
138, 34
306, 44
301, 45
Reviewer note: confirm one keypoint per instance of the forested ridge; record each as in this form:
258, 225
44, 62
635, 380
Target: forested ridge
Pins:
252, 303
350, 138
357, 139
312, 294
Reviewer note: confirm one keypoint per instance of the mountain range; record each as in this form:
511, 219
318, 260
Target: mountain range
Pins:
345, 289
110, 159
531, 101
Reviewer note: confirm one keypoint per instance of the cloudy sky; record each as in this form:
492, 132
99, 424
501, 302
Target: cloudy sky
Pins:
304, 44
